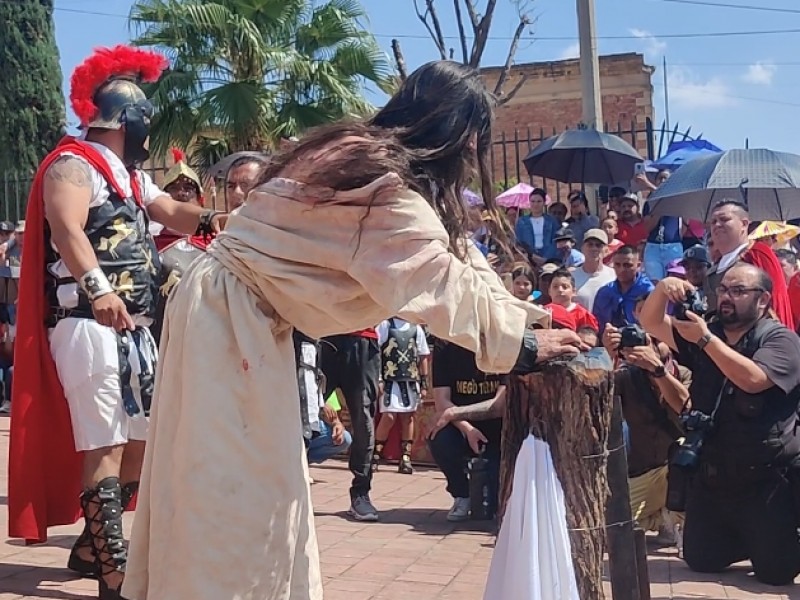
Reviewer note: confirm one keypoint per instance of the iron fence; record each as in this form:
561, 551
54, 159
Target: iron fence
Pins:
508, 152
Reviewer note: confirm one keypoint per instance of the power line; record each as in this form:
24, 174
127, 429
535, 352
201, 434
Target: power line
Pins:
698, 90
775, 9
560, 38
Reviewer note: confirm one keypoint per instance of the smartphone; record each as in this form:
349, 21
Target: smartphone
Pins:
639, 169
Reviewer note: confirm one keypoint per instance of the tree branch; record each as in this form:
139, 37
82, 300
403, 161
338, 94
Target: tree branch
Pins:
399, 60
473, 15
481, 31
462, 34
524, 21
504, 98
435, 30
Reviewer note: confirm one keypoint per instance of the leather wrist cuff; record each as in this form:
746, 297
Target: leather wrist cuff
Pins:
526, 361
204, 226
95, 283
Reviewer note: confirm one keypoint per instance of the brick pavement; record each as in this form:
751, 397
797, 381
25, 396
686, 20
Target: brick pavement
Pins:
412, 554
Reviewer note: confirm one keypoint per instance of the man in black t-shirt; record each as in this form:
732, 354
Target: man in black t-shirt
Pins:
458, 382
741, 503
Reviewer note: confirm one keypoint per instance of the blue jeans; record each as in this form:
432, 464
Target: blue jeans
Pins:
321, 448
658, 256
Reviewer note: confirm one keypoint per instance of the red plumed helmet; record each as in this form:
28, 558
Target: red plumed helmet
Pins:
178, 155
106, 64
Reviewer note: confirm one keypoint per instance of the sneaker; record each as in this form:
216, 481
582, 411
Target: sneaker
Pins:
460, 510
362, 509
5, 407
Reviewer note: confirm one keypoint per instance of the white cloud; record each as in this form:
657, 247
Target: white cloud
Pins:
688, 92
571, 51
760, 73
653, 47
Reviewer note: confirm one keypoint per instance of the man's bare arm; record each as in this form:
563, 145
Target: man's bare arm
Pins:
67, 194
482, 411
178, 216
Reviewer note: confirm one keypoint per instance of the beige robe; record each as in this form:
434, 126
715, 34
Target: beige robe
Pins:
224, 511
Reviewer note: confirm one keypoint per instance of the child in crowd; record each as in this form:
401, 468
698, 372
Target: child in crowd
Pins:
545, 276
565, 242
562, 293
523, 283
558, 211
609, 225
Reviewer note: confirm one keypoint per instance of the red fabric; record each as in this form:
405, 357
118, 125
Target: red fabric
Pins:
44, 470
583, 318
167, 237
762, 256
794, 297
632, 235
613, 246
367, 333
561, 316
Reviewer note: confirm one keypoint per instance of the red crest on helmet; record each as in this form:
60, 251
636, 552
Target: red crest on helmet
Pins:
105, 64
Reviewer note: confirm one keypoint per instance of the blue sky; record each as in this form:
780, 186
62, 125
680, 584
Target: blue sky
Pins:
728, 87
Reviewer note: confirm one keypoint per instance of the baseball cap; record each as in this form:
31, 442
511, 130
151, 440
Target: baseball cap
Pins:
596, 234
564, 234
550, 268
698, 253
633, 197
6, 226
20, 228
675, 267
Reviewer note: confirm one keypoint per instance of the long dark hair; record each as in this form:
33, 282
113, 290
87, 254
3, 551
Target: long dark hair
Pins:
423, 134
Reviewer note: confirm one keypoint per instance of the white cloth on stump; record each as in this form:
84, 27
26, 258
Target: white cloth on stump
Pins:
532, 558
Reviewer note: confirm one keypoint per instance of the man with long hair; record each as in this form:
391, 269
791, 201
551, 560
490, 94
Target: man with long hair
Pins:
357, 223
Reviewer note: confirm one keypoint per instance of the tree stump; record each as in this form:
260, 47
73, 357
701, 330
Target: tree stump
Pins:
568, 405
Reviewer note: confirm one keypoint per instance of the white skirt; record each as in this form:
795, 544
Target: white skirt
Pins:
395, 398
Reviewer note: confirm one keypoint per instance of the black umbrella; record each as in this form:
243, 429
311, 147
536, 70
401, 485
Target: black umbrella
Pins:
221, 168
583, 156
766, 181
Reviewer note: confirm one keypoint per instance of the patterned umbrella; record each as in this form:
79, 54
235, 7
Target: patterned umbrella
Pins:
766, 181
516, 197
583, 156
780, 231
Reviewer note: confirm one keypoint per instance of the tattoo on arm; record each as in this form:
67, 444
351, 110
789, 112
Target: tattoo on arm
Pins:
69, 169
482, 411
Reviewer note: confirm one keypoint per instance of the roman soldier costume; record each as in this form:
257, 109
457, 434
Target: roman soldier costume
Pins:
65, 359
402, 380
176, 250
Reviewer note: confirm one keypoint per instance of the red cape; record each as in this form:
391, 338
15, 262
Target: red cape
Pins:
44, 470
763, 257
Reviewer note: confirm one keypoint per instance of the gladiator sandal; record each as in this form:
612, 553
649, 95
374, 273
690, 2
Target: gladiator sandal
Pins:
377, 455
88, 568
405, 459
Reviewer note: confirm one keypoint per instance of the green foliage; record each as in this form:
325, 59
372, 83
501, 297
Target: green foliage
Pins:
31, 99
246, 73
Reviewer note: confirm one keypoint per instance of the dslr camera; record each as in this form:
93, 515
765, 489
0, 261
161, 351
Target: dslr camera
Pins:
686, 458
633, 336
695, 303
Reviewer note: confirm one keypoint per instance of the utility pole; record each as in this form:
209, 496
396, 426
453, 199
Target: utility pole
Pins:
590, 66
590, 79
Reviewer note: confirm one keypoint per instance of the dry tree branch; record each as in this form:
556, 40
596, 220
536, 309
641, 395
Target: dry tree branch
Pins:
434, 29
473, 14
481, 30
504, 98
462, 34
399, 60
524, 21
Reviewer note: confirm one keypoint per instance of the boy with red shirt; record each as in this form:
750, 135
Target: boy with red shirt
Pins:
562, 293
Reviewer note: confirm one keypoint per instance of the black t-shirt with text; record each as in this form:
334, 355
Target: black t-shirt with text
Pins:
454, 368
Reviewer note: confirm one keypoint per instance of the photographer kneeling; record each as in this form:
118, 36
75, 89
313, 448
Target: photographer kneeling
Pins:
653, 391
741, 451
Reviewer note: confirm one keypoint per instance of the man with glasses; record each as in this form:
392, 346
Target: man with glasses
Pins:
741, 502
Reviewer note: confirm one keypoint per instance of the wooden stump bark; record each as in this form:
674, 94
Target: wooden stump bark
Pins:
568, 405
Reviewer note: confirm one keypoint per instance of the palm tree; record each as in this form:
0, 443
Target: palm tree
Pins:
246, 73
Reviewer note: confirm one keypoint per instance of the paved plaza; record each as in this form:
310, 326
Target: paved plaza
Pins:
412, 554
